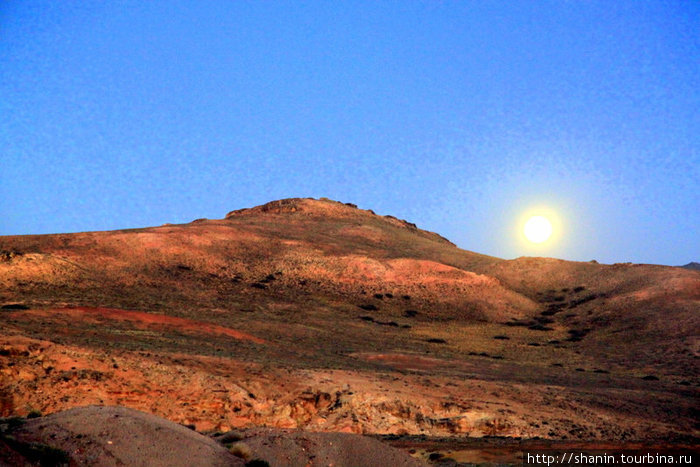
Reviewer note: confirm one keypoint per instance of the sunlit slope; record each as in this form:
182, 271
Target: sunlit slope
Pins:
304, 246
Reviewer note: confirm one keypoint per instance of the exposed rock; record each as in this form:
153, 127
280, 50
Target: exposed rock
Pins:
117, 436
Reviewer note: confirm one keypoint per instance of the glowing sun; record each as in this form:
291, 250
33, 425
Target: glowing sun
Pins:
537, 229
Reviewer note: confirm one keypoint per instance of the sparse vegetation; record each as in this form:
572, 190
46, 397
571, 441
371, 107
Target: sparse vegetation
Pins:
388, 323
577, 335
14, 306
257, 463
539, 327
581, 301
227, 439
242, 450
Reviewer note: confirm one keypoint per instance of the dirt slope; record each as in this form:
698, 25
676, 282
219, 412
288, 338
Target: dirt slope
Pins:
315, 314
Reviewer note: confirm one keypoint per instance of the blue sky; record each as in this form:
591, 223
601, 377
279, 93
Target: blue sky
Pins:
458, 116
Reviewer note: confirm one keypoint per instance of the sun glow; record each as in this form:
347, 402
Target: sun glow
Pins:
537, 229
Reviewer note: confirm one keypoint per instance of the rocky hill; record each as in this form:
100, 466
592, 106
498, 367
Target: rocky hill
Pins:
315, 314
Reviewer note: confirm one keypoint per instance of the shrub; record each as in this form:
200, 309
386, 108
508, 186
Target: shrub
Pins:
257, 463
15, 306
519, 323
577, 334
580, 301
388, 323
230, 437
241, 450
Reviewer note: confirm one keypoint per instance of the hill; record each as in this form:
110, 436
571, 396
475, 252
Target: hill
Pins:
318, 315
693, 266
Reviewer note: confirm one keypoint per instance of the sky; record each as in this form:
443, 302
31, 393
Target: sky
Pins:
462, 117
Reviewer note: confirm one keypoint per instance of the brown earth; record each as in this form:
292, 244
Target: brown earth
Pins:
313, 314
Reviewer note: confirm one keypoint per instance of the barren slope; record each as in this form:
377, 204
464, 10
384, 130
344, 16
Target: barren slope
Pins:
315, 314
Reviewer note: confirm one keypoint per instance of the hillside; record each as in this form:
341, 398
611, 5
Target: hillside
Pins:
319, 315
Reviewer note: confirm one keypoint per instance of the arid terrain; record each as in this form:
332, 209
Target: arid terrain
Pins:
317, 315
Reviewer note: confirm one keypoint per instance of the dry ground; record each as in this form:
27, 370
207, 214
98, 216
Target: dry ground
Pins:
318, 315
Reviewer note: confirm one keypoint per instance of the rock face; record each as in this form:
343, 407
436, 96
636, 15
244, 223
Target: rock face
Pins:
317, 315
118, 436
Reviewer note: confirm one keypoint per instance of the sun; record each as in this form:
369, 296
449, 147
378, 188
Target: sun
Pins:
537, 229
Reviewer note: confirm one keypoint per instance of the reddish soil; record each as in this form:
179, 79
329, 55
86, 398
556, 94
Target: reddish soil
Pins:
138, 319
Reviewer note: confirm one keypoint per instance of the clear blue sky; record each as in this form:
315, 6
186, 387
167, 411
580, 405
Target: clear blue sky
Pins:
458, 116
